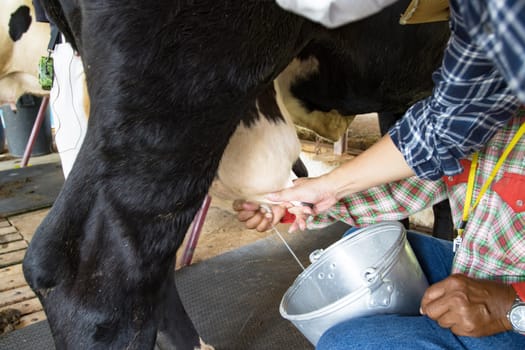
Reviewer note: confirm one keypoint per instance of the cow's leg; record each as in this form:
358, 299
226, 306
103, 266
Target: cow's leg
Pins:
101, 259
443, 223
101, 267
299, 168
166, 94
386, 120
176, 331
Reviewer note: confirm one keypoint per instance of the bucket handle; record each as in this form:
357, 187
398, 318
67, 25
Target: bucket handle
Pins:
373, 277
380, 290
370, 275
315, 255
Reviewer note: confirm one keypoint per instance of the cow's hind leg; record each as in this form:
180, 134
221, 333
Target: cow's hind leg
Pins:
175, 330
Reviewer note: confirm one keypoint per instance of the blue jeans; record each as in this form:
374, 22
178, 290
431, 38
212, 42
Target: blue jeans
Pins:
414, 332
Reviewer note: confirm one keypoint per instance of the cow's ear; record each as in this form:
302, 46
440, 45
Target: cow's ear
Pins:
19, 23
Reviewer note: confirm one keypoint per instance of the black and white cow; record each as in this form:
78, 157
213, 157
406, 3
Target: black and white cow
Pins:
22, 42
169, 82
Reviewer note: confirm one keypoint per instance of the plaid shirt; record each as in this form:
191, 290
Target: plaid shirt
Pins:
483, 70
493, 244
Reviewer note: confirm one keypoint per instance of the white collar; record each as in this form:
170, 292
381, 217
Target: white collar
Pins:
334, 13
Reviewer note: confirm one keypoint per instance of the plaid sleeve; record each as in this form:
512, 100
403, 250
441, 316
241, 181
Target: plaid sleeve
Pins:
393, 201
469, 103
499, 27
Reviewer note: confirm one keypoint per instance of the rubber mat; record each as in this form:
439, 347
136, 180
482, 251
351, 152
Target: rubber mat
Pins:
34, 337
233, 299
31, 188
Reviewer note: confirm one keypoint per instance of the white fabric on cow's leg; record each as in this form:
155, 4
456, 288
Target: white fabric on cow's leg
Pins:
67, 104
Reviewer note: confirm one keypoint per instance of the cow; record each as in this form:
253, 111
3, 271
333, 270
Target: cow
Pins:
22, 42
169, 82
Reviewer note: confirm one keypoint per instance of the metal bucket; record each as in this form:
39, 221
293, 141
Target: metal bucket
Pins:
371, 271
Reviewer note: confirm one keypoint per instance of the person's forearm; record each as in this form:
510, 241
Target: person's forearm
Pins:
382, 163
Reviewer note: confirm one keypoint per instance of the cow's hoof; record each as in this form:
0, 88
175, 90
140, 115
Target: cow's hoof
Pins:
205, 346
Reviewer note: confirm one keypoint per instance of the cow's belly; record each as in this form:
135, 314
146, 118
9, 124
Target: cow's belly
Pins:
14, 85
258, 160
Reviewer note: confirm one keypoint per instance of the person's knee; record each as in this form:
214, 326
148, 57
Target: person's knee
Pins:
341, 336
384, 331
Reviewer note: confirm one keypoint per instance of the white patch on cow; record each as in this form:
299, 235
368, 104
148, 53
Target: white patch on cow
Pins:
329, 125
19, 60
258, 160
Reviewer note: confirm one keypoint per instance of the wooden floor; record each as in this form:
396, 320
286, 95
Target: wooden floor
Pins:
14, 291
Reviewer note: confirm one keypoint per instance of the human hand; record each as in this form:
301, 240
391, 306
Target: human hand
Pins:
255, 217
316, 190
469, 307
